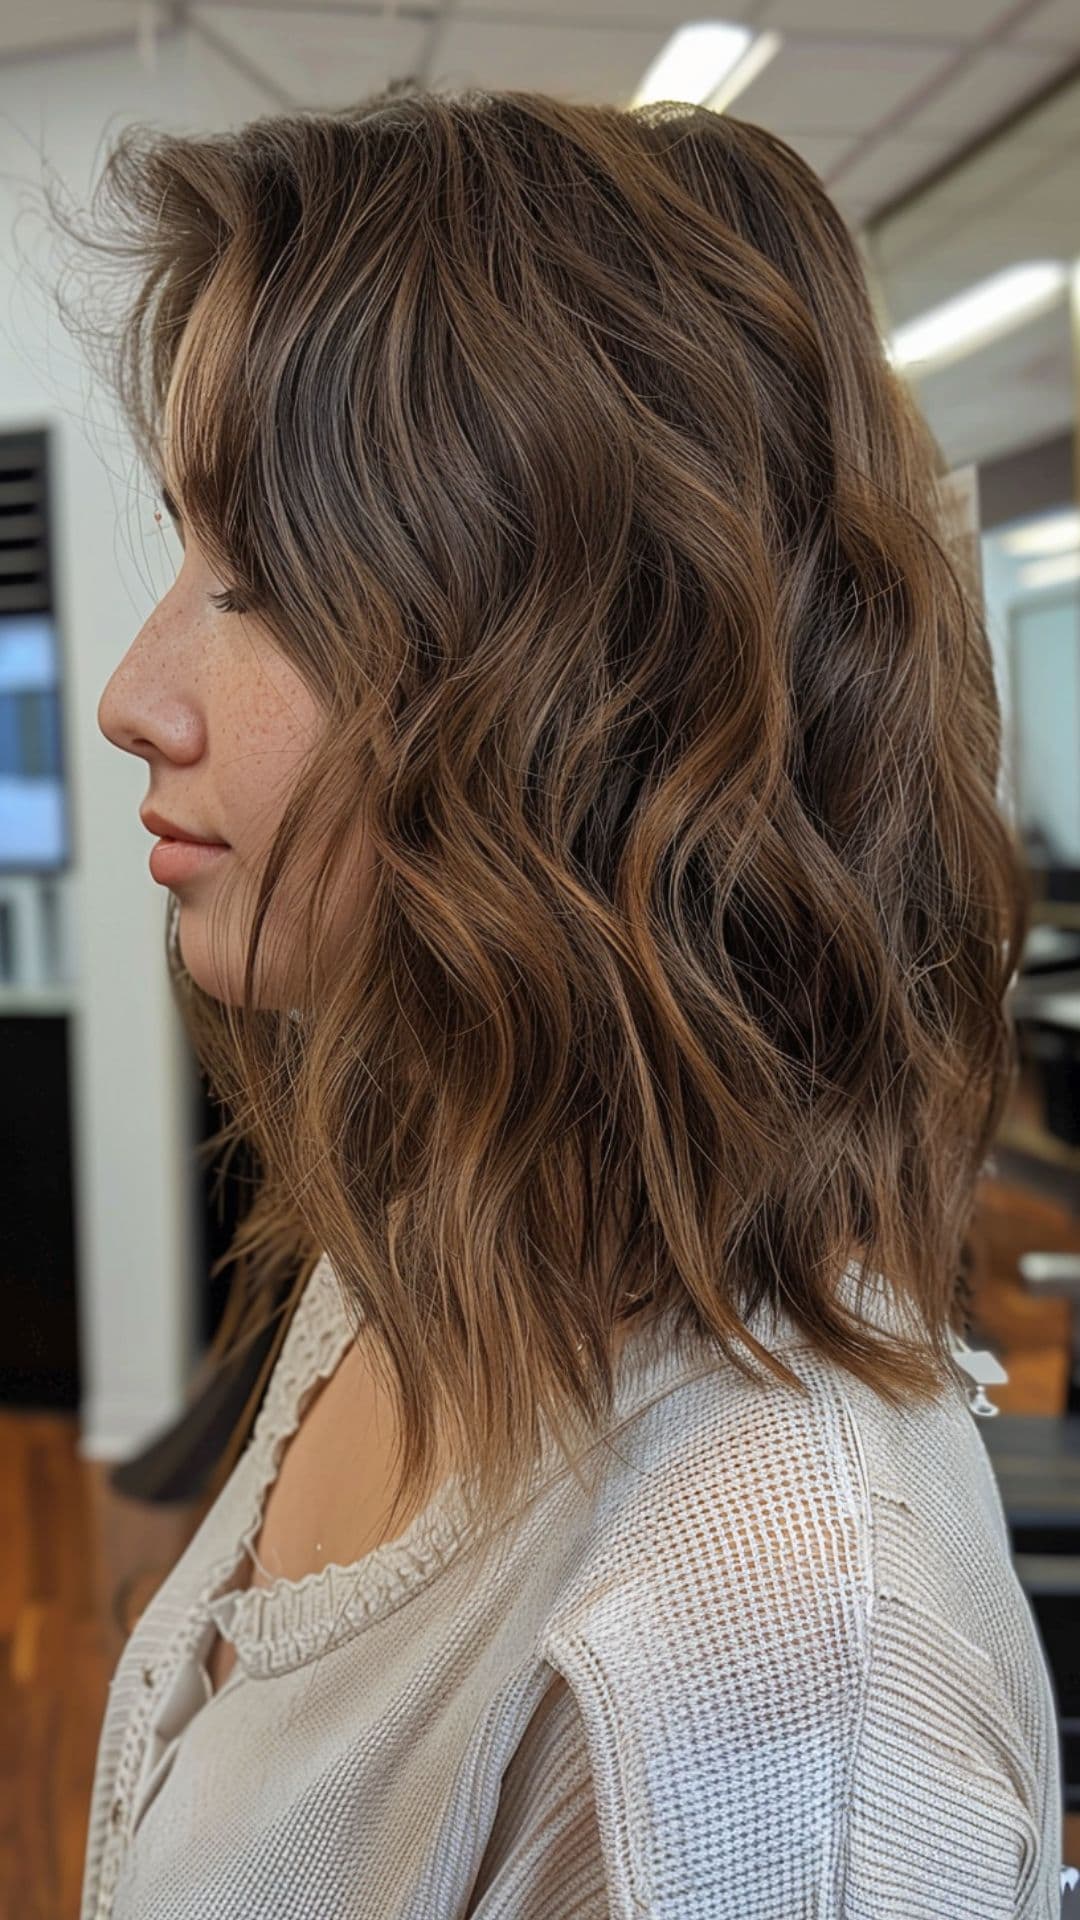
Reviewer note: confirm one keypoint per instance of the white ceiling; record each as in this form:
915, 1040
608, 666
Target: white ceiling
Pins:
877, 97
874, 94
1018, 198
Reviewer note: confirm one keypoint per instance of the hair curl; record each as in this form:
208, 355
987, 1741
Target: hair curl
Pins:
557, 447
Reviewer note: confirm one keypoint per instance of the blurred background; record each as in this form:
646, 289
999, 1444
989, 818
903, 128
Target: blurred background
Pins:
949, 134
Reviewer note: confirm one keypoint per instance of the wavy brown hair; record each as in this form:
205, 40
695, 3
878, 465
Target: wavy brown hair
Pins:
557, 448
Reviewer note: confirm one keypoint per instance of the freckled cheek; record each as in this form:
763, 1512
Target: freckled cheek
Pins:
260, 765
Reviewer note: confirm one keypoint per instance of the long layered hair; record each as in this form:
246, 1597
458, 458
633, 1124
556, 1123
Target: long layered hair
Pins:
557, 448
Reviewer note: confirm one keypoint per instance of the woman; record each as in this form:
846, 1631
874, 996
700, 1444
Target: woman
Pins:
605, 953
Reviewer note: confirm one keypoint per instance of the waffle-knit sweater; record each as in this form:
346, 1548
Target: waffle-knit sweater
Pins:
773, 1661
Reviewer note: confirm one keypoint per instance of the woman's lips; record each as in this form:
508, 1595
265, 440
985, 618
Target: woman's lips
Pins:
174, 861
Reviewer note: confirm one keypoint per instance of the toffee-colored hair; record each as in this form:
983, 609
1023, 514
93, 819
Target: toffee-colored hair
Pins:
557, 448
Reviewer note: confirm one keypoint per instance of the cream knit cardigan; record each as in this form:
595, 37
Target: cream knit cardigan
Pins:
773, 1662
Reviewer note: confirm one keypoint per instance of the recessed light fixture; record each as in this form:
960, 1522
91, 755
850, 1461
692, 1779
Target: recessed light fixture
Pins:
1054, 572
981, 314
708, 62
1050, 533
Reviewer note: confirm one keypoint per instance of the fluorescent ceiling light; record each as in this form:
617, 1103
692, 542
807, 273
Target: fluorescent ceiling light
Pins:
1051, 573
1050, 533
991, 308
757, 56
708, 62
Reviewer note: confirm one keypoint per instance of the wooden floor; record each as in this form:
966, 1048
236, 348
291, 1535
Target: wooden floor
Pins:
79, 1563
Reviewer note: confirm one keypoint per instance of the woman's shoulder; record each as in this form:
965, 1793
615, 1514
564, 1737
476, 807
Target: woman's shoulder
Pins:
808, 1542
750, 1499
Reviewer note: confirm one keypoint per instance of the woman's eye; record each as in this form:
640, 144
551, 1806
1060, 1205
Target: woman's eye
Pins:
227, 601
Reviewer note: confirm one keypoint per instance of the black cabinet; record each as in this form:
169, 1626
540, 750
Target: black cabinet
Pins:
39, 1332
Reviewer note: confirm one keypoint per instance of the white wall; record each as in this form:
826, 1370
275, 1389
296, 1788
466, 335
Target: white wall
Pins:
1035, 636
133, 1079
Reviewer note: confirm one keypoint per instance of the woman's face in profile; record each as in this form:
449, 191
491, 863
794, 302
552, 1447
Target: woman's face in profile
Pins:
223, 722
